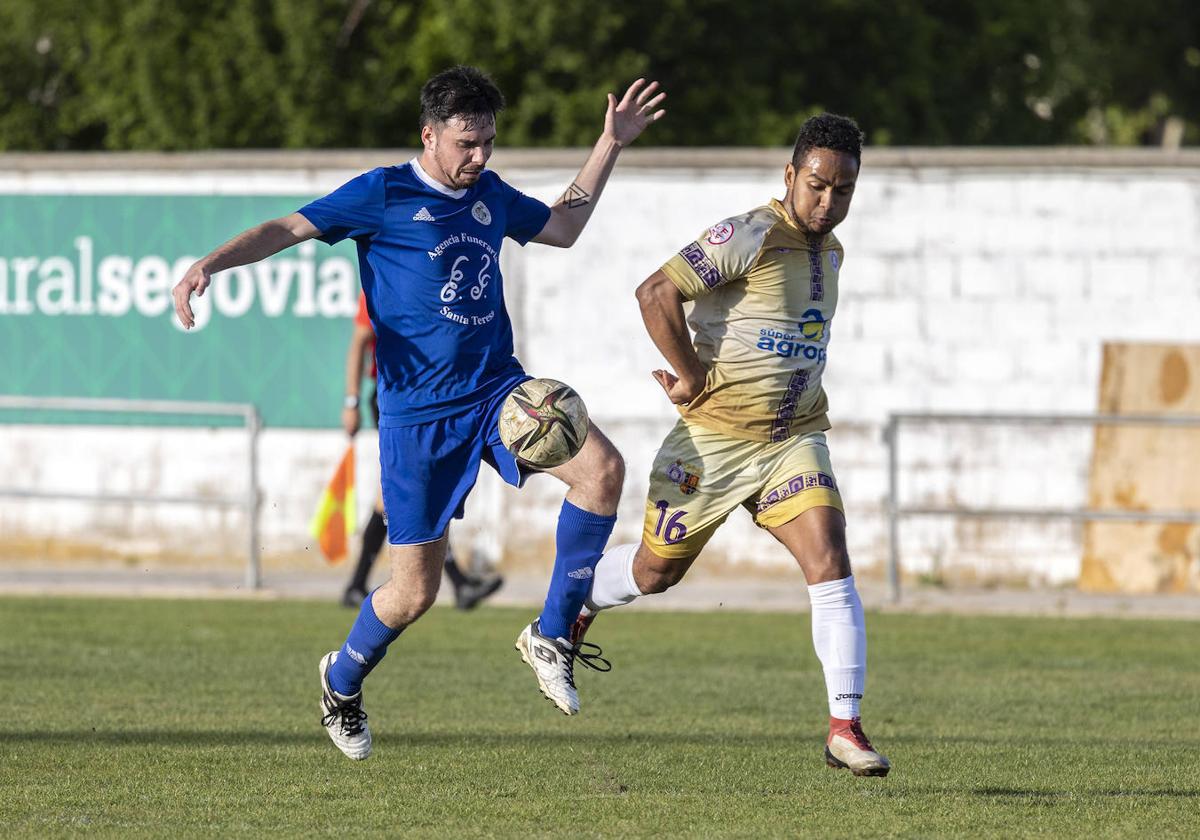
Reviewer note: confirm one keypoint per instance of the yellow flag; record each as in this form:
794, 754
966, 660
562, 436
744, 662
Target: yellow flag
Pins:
333, 524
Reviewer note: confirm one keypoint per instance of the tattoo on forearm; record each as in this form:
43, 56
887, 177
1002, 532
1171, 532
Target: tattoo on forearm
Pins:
575, 196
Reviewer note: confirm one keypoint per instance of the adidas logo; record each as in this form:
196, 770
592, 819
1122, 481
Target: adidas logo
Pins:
423, 215
580, 574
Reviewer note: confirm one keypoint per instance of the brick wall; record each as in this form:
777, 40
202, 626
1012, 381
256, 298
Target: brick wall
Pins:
970, 284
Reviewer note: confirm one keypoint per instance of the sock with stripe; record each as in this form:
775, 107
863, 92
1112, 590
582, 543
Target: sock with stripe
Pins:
365, 647
580, 540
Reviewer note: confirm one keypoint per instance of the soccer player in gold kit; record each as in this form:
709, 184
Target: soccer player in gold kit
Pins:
753, 412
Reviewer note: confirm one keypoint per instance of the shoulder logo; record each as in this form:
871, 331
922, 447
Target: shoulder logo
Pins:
720, 233
423, 215
834, 260
481, 213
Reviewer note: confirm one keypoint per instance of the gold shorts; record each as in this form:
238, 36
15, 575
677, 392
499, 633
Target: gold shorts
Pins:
700, 476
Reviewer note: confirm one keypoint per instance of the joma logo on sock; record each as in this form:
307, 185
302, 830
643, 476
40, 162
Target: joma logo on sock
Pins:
848, 697
580, 574
355, 655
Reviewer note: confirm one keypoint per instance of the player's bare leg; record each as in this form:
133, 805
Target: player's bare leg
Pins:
625, 573
595, 475
594, 478
409, 592
817, 539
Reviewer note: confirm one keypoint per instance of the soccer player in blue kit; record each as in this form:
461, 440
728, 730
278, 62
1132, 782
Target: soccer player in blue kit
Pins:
429, 233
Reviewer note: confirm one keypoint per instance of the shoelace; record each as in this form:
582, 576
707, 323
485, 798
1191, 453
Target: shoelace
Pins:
351, 714
856, 730
588, 655
589, 658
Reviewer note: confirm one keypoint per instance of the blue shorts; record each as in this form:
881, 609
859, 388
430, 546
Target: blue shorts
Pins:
428, 469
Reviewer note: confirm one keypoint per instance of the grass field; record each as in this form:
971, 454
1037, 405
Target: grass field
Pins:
185, 718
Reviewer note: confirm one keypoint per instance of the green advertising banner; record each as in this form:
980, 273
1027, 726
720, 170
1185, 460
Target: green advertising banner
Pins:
86, 310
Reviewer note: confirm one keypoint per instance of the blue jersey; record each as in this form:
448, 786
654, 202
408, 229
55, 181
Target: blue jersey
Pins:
429, 259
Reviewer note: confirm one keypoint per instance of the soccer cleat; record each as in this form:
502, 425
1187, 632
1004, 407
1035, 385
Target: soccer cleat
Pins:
553, 663
847, 748
343, 717
476, 589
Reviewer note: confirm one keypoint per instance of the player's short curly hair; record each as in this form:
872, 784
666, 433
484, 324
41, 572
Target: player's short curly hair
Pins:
464, 92
828, 131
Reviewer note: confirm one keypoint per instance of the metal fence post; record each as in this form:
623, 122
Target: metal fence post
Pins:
891, 436
253, 561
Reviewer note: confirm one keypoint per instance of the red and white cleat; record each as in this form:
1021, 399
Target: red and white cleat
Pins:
847, 748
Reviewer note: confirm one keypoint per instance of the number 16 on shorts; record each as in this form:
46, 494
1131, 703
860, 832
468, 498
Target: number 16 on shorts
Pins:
670, 528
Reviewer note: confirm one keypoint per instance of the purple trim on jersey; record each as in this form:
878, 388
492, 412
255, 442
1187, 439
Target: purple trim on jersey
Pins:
704, 267
816, 270
781, 429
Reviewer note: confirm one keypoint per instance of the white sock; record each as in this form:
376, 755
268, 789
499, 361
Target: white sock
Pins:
613, 583
840, 639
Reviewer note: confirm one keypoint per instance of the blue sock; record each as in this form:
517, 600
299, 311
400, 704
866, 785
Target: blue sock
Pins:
365, 647
580, 539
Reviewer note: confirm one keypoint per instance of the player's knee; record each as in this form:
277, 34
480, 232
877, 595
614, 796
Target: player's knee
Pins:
610, 475
830, 563
657, 574
656, 580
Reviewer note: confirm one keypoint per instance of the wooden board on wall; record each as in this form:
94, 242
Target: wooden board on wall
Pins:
1145, 468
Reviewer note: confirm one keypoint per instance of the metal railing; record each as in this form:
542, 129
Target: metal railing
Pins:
249, 501
896, 511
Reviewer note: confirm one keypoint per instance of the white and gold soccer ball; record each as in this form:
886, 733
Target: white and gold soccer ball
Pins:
543, 423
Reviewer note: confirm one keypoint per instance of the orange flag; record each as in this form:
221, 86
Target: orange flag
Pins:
333, 524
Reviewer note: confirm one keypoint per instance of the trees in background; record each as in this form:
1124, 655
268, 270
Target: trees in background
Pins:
199, 74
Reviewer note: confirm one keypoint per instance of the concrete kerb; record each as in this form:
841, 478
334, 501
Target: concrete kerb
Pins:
525, 589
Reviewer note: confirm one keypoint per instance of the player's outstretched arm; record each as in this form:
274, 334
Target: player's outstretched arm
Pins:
623, 123
250, 246
662, 312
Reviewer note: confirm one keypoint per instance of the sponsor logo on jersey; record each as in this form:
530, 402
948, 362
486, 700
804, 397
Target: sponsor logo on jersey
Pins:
481, 213
423, 215
812, 331
720, 233
686, 476
705, 268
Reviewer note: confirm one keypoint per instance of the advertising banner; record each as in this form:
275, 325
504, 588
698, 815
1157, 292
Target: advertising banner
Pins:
86, 309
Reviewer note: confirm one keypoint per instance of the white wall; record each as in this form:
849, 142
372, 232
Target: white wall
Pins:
965, 287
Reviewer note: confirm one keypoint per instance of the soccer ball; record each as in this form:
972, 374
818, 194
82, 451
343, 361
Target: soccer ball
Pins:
543, 423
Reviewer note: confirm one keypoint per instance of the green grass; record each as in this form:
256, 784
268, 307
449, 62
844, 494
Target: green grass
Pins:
182, 718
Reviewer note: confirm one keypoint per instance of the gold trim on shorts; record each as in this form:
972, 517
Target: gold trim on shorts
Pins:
701, 476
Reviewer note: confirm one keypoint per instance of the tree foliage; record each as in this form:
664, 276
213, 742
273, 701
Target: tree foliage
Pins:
199, 74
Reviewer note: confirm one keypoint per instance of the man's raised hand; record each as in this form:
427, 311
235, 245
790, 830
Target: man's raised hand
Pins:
627, 119
196, 280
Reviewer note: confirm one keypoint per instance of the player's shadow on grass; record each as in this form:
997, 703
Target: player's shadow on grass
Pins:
1034, 795
1065, 741
396, 740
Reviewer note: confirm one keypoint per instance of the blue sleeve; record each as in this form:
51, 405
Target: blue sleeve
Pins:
526, 216
354, 209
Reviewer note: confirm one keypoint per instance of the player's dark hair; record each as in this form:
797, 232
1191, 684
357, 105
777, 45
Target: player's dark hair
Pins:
464, 92
828, 131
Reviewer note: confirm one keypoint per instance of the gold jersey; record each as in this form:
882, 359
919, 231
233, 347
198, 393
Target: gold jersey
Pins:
765, 294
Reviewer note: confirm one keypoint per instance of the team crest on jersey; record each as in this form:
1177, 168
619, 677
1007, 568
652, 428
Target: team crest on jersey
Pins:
481, 213
834, 259
686, 476
720, 233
